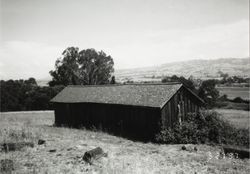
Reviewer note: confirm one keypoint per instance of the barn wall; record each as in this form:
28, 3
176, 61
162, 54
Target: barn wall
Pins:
134, 122
189, 104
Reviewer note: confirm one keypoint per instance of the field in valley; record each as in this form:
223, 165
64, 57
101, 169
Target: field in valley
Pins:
65, 147
239, 118
233, 92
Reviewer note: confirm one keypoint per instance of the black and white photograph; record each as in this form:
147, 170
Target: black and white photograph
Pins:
124, 87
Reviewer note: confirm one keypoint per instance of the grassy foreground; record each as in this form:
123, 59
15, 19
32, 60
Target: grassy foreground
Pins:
124, 156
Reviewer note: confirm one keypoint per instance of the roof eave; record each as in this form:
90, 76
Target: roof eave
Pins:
144, 106
163, 104
202, 101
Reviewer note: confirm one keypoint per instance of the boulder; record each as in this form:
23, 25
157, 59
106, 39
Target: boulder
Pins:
93, 154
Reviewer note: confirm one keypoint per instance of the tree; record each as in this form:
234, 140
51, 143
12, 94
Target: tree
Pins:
112, 81
31, 81
86, 67
208, 92
21, 95
187, 82
165, 79
174, 78
66, 68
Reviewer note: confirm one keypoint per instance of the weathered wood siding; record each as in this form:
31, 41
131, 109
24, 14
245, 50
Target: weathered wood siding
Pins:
134, 122
188, 104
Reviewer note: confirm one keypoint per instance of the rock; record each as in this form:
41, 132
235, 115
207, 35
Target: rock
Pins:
195, 149
80, 147
29, 165
41, 141
189, 148
93, 154
183, 148
69, 149
155, 151
52, 150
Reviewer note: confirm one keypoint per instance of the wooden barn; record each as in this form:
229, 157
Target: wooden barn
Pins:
135, 111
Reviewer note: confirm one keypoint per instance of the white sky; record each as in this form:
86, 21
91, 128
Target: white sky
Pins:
136, 33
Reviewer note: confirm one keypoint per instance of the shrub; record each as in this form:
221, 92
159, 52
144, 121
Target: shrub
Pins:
239, 100
204, 127
6, 165
233, 105
208, 92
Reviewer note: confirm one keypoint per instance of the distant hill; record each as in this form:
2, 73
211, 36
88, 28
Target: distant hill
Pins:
203, 69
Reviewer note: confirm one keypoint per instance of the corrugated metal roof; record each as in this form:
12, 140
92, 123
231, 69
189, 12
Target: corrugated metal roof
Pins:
149, 95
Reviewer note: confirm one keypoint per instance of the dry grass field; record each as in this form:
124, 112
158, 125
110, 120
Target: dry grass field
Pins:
238, 118
124, 156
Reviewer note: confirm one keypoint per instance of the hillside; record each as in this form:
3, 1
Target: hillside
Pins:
202, 69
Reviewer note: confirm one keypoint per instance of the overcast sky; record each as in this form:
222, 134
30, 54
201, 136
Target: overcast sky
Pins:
136, 33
